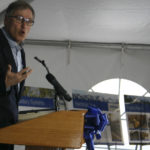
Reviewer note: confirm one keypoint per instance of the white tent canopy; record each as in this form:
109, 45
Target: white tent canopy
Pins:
92, 20
85, 25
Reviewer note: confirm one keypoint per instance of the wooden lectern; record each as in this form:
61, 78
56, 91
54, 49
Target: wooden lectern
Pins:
63, 129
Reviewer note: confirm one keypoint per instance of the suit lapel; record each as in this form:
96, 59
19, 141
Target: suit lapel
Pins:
10, 60
8, 53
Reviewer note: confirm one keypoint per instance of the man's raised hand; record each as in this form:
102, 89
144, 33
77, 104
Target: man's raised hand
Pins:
13, 78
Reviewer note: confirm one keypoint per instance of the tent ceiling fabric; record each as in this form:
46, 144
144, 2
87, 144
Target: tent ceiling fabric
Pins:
92, 20
102, 21
111, 21
4, 4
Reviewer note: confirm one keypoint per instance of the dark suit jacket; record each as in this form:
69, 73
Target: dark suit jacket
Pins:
8, 100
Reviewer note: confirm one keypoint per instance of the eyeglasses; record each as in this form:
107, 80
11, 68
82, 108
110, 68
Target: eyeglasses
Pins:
21, 19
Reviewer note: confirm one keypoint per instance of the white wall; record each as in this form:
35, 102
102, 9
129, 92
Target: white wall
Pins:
87, 66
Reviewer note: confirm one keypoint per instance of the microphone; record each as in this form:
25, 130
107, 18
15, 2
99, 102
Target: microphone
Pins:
59, 89
51, 79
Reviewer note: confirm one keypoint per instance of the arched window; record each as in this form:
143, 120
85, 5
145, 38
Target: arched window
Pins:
121, 87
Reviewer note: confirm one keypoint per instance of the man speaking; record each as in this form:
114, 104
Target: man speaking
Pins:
19, 18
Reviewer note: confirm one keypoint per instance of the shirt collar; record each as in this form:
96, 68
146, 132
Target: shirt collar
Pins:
12, 43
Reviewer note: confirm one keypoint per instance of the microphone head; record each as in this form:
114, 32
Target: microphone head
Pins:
67, 97
50, 77
59, 89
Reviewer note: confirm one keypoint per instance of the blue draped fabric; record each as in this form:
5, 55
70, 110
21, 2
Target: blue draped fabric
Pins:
95, 123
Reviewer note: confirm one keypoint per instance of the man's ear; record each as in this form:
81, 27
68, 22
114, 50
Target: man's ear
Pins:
6, 20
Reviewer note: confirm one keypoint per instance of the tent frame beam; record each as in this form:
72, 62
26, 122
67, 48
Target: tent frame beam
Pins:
70, 44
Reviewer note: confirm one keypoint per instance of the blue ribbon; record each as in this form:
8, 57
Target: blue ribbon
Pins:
95, 123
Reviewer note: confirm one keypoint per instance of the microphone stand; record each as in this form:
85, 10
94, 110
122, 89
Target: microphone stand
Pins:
57, 97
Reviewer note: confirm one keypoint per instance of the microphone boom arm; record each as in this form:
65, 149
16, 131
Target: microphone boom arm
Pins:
43, 63
51, 79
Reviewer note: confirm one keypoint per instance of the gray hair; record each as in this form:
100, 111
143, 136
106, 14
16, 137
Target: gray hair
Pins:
18, 5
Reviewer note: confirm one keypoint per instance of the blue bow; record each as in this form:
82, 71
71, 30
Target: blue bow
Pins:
95, 123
